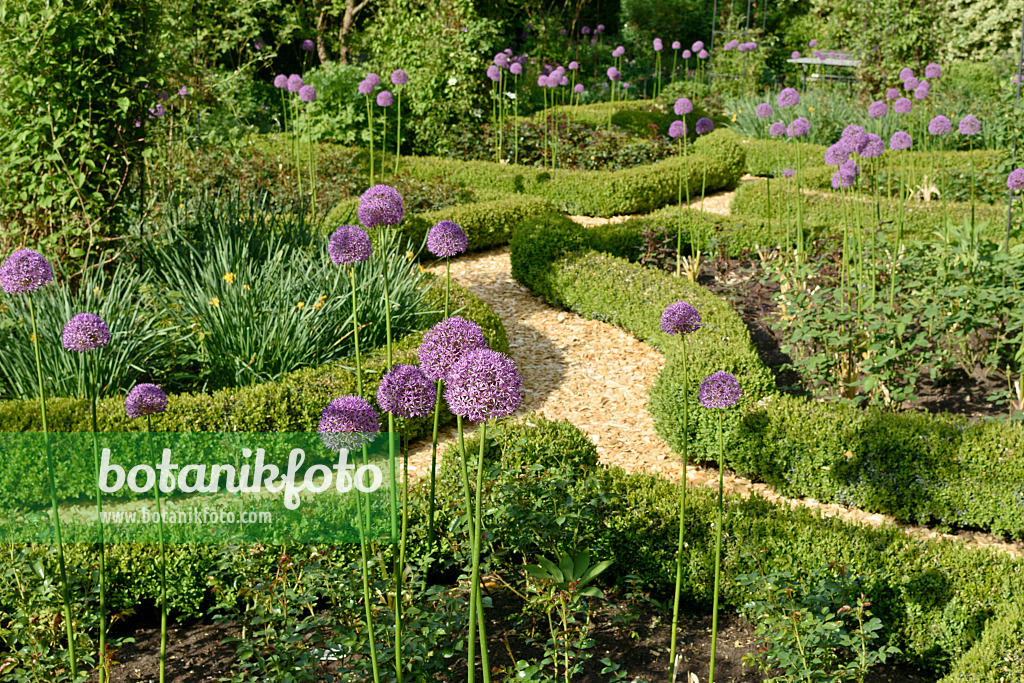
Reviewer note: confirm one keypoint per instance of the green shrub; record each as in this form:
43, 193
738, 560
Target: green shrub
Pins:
640, 121
487, 223
998, 656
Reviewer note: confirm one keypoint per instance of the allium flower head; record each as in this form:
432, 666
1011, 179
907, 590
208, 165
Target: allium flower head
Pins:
921, 92
849, 170
789, 97
788, 173
878, 109
839, 181
730, 45
680, 318
494, 73
483, 385
795, 54
703, 54
406, 392
687, 54
578, 88
280, 81
776, 129
940, 125
903, 106
1015, 181
348, 422
658, 45
676, 129
399, 77
373, 79
307, 93
446, 342
852, 131
349, 244
613, 74
911, 83
870, 146
600, 28
573, 66
447, 239
501, 60
25, 271
836, 154
676, 45
308, 45
381, 205
720, 390
585, 30
145, 399
800, 127
704, 126
698, 46
294, 83
515, 69
933, 70
683, 106
619, 51
764, 110
906, 72
85, 332
892, 94
900, 140
969, 125
183, 92
813, 43
365, 88
542, 81
385, 99
564, 80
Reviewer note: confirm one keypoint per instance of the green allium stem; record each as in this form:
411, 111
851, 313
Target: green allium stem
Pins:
476, 608
718, 546
398, 127
104, 673
682, 518
163, 559
369, 118
477, 540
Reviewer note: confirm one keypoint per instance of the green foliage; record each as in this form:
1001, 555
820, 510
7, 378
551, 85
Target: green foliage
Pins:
998, 655
339, 112
487, 223
985, 29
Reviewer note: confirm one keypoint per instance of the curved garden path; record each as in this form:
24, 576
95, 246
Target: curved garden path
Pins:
597, 376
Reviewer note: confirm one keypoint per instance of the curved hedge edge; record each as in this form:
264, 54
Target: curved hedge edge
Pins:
998, 655
291, 404
918, 468
487, 223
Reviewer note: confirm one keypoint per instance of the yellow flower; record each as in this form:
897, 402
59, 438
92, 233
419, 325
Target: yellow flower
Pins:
215, 302
409, 255
229, 278
96, 291
300, 304
32, 338
245, 288
810, 109
734, 117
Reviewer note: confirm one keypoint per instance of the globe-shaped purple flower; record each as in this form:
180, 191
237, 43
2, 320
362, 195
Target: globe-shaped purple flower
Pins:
483, 385
730, 45
911, 83
680, 318
921, 92
704, 126
619, 51
849, 170
294, 83
776, 129
399, 77
788, 173
892, 94
836, 154
905, 73
348, 422
687, 54
145, 399
447, 239
903, 106
698, 46
406, 392
385, 99
308, 45
85, 332
365, 88
494, 73
373, 79
658, 45
839, 181
676, 129
878, 109
703, 54
25, 271
933, 70
542, 81
789, 97
969, 125
1015, 181
676, 45
613, 74
280, 81
900, 140
446, 342
585, 30
578, 88
800, 127
720, 390
573, 66
565, 81
795, 54
307, 93
515, 69
813, 43
683, 106
870, 146
763, 111
940, 125
381, 205
599, 29
501, 60
349, 244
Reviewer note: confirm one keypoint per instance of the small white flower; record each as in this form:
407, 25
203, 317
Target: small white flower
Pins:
452, 80
510, 95
478, 113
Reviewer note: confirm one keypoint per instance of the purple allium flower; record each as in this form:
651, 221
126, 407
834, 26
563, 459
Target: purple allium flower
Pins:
921, 92
906, 72
565, 81
619, 51
720, 390
776, 129
542, 81
145, 399
85, 332
183, 92
294, 83
25, 271
308, 45
969, 125
940, 125
158, 111
703, 54
911, 83
625, 86
704, 125
813, 43
763, 111
788, 173
307, 93
385, 98
687, 54
839, 181
515, 68
818, 54
730, 45
365, 88
789, 97
698, 46
1015, 181
573, 66
613, 74
933, 70
658, 45
447, 239
676, 45
349, 244
585, 30
381, 205
600, 28
578, 88
900, 140
348, 422
683, 106
852, 131
483, 385
870, 146
892, 94
677, 129
406, 392
849, 170
902, 106
680, 318
795, 54
446, 342
836, 154
800, 127
878, 109
501, 60
373, 79
494, 73
399, 77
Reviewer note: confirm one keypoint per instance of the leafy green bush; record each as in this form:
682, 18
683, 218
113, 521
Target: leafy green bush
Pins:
998, 655
339, 112
487, 223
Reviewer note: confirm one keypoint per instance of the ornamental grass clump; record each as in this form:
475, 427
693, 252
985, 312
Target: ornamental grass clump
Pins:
718, 391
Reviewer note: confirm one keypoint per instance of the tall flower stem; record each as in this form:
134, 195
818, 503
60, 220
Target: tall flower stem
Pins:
899, 235
295, 149
383, 140
476, 608
104, 674
369, 119
718, 546
163, 558
475, 578
437, 416
66, 597
682, 517
398, 126
392, 457
679, 203
799, 207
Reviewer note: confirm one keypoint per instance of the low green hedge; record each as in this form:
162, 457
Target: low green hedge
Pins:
292, 404
918, 468
487, 223
998, 656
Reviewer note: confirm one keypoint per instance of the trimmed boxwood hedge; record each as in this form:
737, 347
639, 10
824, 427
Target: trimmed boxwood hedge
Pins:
915, 467
998, 656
